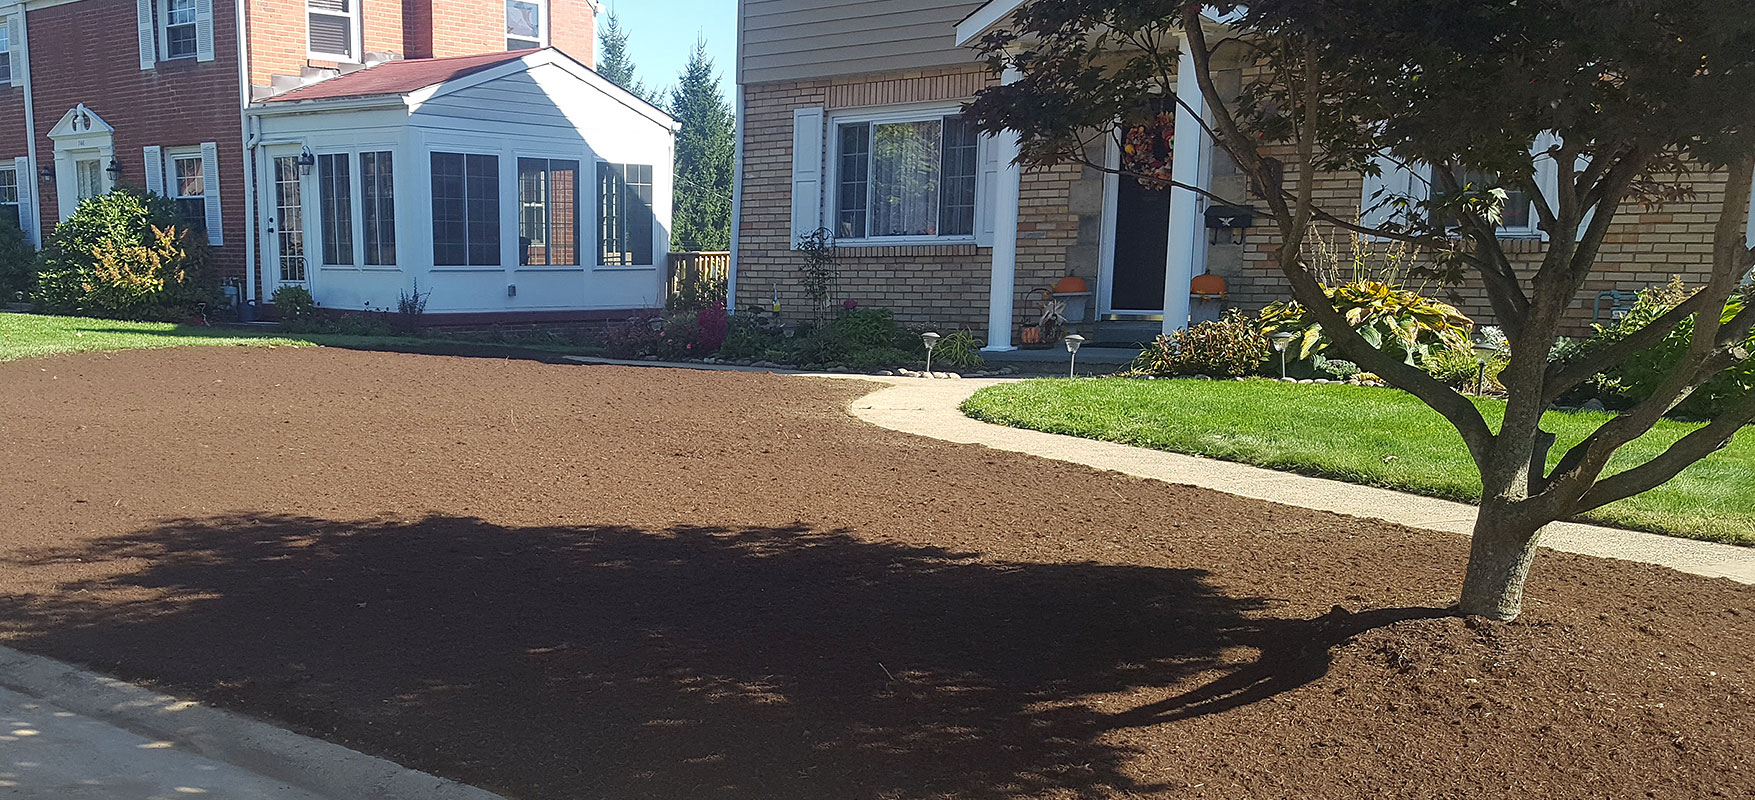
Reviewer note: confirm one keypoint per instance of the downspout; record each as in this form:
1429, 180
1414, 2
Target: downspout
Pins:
736, 202
252, 263
30, 132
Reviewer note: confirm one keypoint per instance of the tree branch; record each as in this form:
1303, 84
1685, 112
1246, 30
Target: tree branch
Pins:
1670, 463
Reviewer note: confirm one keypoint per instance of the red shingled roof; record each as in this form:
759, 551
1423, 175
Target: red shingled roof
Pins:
397, 77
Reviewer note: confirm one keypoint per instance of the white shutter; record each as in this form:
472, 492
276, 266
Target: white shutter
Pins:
203, 30
807, 172
148, 29
27, 204
987, 192
1376, 202
210, 193
155, 169
15, 47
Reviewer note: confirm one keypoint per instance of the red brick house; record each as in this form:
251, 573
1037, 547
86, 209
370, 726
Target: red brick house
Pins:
850, 120
352, 147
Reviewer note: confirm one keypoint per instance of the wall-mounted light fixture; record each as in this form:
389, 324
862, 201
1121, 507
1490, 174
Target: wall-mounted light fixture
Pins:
115, 168
46, 174
307, 160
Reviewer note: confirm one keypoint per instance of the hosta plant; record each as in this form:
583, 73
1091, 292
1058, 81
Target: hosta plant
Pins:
1399, 321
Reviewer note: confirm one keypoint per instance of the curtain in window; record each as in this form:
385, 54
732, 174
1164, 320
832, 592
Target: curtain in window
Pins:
905, 178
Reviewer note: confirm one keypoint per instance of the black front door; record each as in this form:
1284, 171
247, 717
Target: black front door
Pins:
1142, 248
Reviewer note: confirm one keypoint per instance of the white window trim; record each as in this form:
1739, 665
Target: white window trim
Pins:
359, 201
542, 24
353, 18
508, 211
164, 34
17, 202
6, 55
356, 243
831, 206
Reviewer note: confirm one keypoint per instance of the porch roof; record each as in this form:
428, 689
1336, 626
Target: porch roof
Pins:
397, 77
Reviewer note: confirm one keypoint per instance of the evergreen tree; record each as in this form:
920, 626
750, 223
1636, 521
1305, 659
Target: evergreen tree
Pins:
703, 157
616, 63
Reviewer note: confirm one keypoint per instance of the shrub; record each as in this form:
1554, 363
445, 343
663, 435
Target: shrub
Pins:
1228, 347
695, 295
1460, 369
124, 255
1390, 318
1638, 377
1341, 370
410, 307
748, 336
18, 264
631, 339
678, 338
712, 325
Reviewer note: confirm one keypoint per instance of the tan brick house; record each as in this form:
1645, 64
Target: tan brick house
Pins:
351, 147
849, 121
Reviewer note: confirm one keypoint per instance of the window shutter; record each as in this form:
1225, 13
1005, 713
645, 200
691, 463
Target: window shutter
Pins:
27, 205
210, 193
148, 29
1375, 203
155, 169
15, 48
807, 172
987, 192
203, 30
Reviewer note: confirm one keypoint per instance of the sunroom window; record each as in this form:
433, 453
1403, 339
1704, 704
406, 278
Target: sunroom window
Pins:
906, 178
466, 210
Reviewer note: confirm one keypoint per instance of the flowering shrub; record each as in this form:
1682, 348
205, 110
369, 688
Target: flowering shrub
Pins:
631, 339
712, 325
1228, 347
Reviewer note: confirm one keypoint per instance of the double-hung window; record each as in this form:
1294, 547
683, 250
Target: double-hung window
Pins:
189, 189
334, 29
548, 212
906, 177
1517, 215
179, 28
335, 208
378, 208
466, 210
625, 224
5, 51
9, 196
526, 24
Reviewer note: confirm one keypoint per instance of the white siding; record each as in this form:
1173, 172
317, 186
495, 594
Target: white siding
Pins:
800, 39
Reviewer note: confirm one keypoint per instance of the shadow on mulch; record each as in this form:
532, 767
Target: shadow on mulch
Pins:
693, 662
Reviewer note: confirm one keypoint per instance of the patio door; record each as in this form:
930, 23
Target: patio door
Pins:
283, 250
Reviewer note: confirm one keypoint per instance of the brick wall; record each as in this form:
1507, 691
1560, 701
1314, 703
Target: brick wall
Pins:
87, 53
927, 286
441, 28
13, 138
279, 40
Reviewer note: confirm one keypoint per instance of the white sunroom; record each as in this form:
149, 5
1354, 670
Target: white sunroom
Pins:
504, 184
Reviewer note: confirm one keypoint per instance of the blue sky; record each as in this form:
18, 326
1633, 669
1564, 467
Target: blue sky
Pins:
663, 31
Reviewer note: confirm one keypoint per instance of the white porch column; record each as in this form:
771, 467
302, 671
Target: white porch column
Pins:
1189, 168
1003, 290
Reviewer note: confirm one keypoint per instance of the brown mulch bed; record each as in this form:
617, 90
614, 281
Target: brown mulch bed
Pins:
581, 582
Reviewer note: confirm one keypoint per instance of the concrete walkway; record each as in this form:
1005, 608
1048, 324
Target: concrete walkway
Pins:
930, 408
74, 735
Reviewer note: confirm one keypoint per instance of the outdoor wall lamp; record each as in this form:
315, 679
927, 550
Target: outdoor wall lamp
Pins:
1282, 340
306, 161
930, 339
115, 168
1073, 343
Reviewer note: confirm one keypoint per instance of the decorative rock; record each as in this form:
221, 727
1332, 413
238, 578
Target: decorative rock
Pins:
1307, 380
885, 373
1324, 380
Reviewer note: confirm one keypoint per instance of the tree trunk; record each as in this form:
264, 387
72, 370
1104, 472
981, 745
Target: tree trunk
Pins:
1500, 554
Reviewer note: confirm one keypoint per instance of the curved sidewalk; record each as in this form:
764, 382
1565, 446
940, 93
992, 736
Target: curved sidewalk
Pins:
930, 408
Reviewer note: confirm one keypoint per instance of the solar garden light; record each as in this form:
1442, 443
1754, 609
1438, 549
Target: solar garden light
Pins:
1485, 351
1282, 340
930, 339
1072, 348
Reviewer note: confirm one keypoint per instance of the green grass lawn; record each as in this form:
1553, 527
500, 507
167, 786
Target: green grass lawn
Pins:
28, 335
1379, 437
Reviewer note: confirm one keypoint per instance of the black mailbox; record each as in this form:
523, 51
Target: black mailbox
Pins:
1233, 220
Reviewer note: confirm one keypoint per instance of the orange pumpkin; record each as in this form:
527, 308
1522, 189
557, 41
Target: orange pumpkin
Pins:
1070, 284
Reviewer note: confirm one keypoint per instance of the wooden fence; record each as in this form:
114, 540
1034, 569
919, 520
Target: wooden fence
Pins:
703, 271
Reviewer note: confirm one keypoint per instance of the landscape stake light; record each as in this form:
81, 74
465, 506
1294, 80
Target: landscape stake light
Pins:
1485, 351
1072, 348
1282, 340
930, 339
